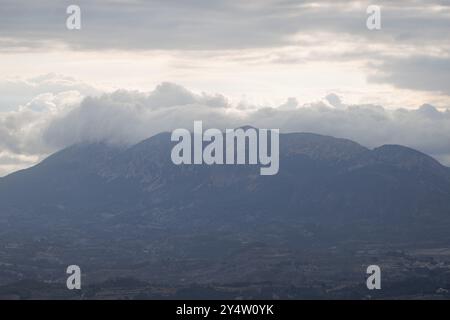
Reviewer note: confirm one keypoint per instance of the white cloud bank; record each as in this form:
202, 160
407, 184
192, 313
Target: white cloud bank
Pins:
52, 121
16, 92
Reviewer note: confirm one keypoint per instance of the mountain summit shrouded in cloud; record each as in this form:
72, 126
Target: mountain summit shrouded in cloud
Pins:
50, 122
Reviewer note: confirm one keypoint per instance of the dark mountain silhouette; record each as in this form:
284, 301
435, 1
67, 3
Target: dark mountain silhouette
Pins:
132, 212
321, 179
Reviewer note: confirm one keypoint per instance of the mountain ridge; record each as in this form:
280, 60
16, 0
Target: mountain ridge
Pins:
312, 167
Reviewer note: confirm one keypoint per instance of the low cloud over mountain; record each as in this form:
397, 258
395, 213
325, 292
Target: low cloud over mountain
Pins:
52, 121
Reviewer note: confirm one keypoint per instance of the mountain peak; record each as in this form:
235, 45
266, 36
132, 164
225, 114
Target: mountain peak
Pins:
407, 158
246, 127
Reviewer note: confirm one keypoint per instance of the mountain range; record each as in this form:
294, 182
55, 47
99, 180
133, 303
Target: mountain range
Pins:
130, 209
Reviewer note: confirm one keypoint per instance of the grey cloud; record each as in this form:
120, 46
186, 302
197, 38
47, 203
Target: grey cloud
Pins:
291, 103
217, 26
334, 100
125, 117
22, 129
214, 24
169, 94
16, 92
417, 73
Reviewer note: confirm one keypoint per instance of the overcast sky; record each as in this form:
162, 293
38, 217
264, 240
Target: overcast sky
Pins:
294, 65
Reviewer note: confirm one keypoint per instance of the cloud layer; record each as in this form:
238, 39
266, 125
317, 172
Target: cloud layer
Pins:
53, 121
412, 49
214, 24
